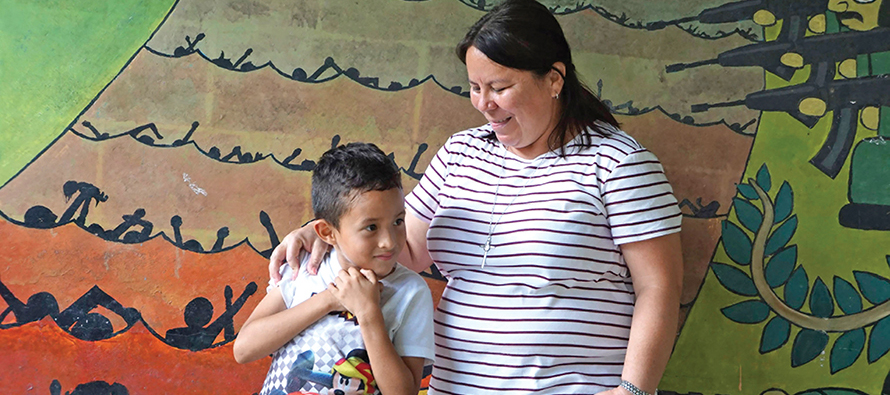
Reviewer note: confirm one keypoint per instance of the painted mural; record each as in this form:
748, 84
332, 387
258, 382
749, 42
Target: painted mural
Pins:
153, 153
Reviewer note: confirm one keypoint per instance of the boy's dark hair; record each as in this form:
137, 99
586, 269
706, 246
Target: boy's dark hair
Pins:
347, 170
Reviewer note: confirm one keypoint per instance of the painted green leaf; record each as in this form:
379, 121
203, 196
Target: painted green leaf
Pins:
748, 191
775, 334
846, 296
874, 288
808, 344
847, 349
797, 288
763, 178
736, 243
749, 215
779, 267
821, 303
781, 236
747, 312
784, 203
733, 279
879, 340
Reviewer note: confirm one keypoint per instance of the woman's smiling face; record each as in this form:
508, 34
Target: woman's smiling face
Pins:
520, 106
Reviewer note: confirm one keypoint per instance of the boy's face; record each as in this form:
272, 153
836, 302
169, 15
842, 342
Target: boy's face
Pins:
372, 231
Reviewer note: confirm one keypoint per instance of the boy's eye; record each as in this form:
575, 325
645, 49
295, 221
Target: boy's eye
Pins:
371, 228
399, 221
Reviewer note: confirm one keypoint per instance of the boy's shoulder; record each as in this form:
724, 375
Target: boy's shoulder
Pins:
405, 281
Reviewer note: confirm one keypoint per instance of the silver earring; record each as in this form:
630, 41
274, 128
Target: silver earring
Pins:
556, 97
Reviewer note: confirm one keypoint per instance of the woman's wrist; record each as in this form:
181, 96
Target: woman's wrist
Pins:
633, 389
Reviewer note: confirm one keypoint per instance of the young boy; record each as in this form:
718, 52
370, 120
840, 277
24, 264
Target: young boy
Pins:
363, 309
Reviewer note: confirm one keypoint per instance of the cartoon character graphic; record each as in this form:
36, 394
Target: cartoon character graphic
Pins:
352, 375
349, 376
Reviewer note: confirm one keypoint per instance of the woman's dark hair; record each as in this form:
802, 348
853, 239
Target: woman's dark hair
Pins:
346, 170
524, 35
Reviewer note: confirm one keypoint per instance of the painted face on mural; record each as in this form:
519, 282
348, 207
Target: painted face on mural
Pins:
518, 105
372, 231
861, 15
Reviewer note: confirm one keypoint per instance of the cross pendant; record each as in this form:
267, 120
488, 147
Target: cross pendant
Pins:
486, 247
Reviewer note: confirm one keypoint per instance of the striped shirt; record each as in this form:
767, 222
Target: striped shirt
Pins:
550, 310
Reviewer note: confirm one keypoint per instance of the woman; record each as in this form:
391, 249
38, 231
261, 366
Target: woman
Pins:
556, 231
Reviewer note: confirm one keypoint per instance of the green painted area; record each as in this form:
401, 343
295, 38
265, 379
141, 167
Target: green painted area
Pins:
55, 57
716, 355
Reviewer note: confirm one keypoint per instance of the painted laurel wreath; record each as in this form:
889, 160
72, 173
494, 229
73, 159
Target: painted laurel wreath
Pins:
772, 268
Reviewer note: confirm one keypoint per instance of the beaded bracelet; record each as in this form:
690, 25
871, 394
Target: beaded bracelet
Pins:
633, 389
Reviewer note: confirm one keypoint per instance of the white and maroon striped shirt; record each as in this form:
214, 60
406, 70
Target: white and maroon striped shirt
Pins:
550, 312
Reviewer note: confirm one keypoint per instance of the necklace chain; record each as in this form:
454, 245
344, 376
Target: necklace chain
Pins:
491, 223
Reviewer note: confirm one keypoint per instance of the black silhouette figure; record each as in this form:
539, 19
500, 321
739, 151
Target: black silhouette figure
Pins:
99, 136
214, 153
410, 171
273, 236
306, 165
130, 221
38, 306
78, 320
87, 193
197, 334
187, 138
225, 63
353, 73
91, 388
180, 51
191, 245
328, 64
40, 217
699, 211
221, 235
145, 139
242, 158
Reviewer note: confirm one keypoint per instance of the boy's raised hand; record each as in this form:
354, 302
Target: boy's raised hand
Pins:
358, 291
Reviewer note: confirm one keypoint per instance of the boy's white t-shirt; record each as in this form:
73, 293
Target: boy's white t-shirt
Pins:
306, 362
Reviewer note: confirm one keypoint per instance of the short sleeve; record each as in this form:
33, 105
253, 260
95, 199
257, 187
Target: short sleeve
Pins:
638, 199
414, 338
423, 201
288, 285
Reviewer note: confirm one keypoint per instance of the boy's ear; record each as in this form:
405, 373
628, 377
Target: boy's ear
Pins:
325, 231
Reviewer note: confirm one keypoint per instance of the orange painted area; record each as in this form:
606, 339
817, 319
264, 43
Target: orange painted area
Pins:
35, 354
155, 277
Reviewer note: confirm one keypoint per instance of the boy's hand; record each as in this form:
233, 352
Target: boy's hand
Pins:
330, 301
358, 291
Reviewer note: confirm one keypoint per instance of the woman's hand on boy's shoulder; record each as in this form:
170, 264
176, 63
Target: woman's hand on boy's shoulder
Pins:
288, 252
